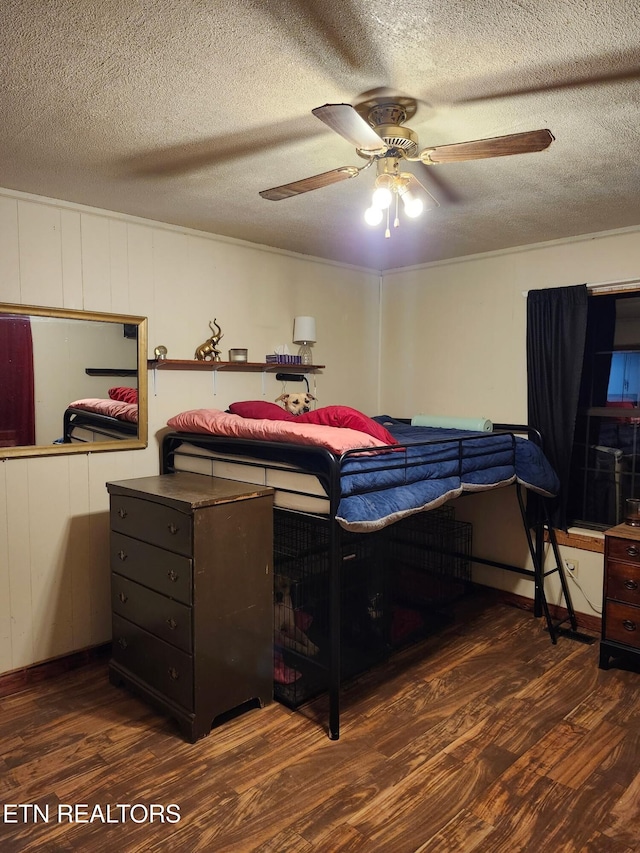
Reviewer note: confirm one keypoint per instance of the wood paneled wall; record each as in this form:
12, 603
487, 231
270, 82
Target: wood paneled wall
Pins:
54, 574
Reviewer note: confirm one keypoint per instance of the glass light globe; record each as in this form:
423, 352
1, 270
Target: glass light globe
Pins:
412, 206
373, 216
381, 198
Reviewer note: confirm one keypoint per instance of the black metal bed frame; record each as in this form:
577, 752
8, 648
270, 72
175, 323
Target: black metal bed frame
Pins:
326, 467
100, 424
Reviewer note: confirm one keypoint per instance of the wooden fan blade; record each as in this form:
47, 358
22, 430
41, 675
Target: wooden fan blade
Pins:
314, 183
498, 146
419, 189
351, 126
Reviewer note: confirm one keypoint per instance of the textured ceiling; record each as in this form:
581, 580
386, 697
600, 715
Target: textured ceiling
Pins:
183, 110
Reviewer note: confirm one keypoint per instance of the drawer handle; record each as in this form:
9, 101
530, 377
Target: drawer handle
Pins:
123, 597
631, 584
173, 529
173, 673
172, 576
633, 551
628, 625
122, 555
122, 643
171, 622
122, 513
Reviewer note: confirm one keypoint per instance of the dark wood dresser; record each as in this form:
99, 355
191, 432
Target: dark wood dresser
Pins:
192, 594
621, 597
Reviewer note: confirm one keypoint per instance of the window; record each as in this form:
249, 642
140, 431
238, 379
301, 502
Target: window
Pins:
605, 464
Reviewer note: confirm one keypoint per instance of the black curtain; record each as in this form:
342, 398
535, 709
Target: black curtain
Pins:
556, 338
601, 329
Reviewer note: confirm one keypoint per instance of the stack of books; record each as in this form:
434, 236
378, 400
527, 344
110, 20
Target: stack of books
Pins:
283, 359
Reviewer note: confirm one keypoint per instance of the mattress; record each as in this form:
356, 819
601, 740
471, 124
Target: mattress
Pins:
83, 434
294, 490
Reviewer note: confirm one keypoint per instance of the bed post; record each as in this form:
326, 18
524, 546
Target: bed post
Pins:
335, 596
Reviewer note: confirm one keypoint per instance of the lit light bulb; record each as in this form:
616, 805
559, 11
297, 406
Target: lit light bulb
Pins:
412, 206
373, 216
381, 198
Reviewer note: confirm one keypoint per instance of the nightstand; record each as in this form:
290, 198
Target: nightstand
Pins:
621, 596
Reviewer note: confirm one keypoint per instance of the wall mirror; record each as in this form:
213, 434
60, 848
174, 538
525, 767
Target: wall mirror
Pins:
71, 381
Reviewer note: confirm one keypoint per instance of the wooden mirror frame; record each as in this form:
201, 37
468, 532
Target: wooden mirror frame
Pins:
138, 443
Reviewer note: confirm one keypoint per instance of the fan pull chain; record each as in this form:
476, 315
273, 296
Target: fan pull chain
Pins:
396, 221
387, 233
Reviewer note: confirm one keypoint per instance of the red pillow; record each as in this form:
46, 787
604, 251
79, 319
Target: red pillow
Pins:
124, 395
261, 409
344, 416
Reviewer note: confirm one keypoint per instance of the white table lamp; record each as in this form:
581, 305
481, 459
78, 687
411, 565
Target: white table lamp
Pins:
304, 333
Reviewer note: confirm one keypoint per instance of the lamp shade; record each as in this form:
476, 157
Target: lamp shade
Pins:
304, 330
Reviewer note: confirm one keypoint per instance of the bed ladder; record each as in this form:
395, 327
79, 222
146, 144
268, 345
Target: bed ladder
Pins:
540, 573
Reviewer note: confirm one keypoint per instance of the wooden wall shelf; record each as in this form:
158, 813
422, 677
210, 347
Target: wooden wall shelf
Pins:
237, 366
111, 371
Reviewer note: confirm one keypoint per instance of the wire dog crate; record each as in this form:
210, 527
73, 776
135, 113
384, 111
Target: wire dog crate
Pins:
395, 587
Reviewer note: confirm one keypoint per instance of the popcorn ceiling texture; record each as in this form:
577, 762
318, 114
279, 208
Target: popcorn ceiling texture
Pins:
181, 111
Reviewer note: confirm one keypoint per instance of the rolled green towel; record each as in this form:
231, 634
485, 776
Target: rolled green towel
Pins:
444, 422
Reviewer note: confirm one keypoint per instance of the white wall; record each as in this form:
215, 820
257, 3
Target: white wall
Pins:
54, 572
453, 343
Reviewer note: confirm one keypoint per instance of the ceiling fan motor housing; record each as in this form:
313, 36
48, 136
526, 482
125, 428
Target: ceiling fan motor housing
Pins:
401, 141
399, 138
387, 119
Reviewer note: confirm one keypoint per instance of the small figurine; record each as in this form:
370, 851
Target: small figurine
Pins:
208, 351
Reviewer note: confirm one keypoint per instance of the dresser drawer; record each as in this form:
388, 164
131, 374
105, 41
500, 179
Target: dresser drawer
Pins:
623, 549
160, 570
152, 522
623, 582
167, 619
622, 623
159, 664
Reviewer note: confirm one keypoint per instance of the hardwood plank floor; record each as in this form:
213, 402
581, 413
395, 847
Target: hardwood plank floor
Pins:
483, 739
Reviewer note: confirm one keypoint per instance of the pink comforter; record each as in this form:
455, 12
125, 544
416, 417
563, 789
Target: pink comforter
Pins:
112, 408
216, 422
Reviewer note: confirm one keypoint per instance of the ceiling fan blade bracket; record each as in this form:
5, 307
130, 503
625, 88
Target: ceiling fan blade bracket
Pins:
425, 157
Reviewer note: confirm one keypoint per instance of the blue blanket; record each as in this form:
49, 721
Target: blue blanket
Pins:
433, 466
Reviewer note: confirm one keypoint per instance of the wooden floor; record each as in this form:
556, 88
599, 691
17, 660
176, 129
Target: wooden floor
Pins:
487, 738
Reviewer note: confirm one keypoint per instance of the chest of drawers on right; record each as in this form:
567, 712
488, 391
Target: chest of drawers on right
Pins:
621, 595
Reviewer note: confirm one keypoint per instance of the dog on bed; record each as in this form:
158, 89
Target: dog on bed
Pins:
296, 404
286, 632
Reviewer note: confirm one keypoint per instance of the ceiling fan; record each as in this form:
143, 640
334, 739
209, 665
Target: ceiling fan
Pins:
376, 128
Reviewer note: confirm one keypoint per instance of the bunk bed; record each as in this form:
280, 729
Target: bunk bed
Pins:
334, 487
96, 419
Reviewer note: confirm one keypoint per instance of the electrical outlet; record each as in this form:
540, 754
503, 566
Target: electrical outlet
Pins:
572, 567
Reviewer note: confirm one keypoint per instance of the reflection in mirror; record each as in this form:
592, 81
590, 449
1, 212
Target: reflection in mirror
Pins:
71, 381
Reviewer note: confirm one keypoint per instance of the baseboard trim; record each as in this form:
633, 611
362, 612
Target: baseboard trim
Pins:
585, 621
18, 679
